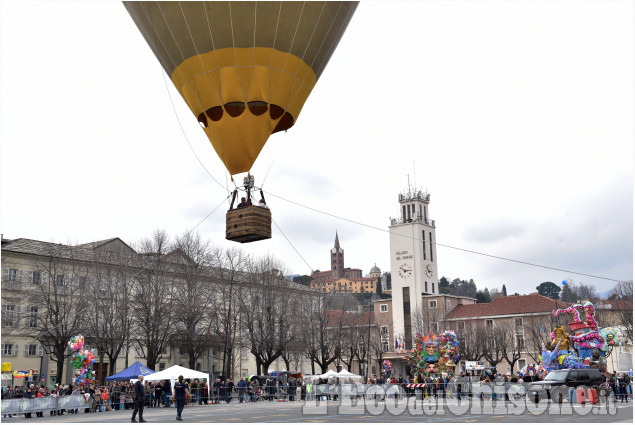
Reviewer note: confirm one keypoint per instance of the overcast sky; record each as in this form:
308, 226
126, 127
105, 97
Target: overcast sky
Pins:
516, 117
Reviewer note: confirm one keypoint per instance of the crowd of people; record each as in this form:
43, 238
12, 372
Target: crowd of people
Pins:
121, 395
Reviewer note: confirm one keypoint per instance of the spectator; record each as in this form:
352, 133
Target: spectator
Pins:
242, 390
167, 392
158, 394
229, 386
218, 385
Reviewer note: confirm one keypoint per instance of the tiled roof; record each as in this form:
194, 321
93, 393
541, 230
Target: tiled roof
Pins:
512, 304
347, 318
33, 247
616, 304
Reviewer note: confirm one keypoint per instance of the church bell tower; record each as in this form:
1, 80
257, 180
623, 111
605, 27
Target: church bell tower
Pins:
337, 259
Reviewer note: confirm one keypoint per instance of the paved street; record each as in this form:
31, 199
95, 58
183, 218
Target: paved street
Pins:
374, 411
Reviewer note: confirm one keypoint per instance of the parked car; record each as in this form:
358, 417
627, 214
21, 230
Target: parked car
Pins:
557, 383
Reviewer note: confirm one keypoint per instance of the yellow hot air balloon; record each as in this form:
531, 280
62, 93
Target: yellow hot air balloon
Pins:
245, 69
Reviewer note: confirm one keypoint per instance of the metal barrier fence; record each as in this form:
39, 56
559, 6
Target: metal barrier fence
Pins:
19, 406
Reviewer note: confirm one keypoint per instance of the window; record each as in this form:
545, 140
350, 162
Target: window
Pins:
8, 315
521, 363
383, 308
433, 287
161, 366
434, 327
518, 323
431, 251
12, 275
520, 340
447, 305
244, 353
35, 278
384, 346
197, 366
423, 236
31, 313
461, 326
81, 282
432, 303
31, 350
489, 324
59, 280
9, 349
426, 288
384, 330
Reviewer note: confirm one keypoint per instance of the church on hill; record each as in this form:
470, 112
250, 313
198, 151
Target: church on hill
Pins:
344, 280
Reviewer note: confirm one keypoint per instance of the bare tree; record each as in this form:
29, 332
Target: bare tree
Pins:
107, 324
428, 319
471, 341
537, 332
193, 296
511, 345
230, 266
322, 346
266, 316
494, 342
623, 293
376, 349
152, 301
60, 294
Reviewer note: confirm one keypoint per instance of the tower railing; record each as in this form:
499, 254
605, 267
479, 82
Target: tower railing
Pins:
414, 219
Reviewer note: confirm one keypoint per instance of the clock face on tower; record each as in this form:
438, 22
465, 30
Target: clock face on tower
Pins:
405, 270
429, 270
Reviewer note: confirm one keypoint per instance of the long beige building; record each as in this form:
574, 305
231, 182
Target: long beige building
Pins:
37, 273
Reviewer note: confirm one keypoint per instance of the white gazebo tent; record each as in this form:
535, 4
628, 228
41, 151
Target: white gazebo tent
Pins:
172, 374
346, 374
328, 374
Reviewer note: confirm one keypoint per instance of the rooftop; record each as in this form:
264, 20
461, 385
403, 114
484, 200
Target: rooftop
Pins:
509, 305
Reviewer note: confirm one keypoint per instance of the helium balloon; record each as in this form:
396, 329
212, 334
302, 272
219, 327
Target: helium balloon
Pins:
245, 69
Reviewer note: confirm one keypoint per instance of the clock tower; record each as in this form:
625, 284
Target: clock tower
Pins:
413, 260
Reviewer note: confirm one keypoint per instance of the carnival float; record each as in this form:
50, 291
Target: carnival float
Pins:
586, 345
435, 354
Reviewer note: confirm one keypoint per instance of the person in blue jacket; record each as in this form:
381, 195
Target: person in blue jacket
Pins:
181, 389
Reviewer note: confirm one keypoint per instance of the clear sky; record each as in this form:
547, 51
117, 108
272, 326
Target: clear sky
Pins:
516, 117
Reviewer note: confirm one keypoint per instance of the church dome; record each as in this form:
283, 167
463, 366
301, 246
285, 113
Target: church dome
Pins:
375, 269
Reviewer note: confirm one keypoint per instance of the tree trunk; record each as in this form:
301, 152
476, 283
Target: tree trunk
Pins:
111, 366
60, 367
101, 367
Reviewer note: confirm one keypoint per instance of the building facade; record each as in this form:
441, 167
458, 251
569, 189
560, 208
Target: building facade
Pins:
344, 280
41, 279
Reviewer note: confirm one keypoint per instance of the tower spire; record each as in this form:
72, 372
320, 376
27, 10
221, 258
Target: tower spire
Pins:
337, 241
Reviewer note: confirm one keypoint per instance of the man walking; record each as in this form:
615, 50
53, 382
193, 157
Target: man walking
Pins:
180, 390
139, 400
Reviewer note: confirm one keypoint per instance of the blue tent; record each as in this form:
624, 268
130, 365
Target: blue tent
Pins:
132, 372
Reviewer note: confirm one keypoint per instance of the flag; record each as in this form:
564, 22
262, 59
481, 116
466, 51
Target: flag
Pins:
6, 367
21, 373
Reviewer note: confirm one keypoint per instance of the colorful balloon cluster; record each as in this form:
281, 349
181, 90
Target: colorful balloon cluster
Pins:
82, 360
387, 367
76, 342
